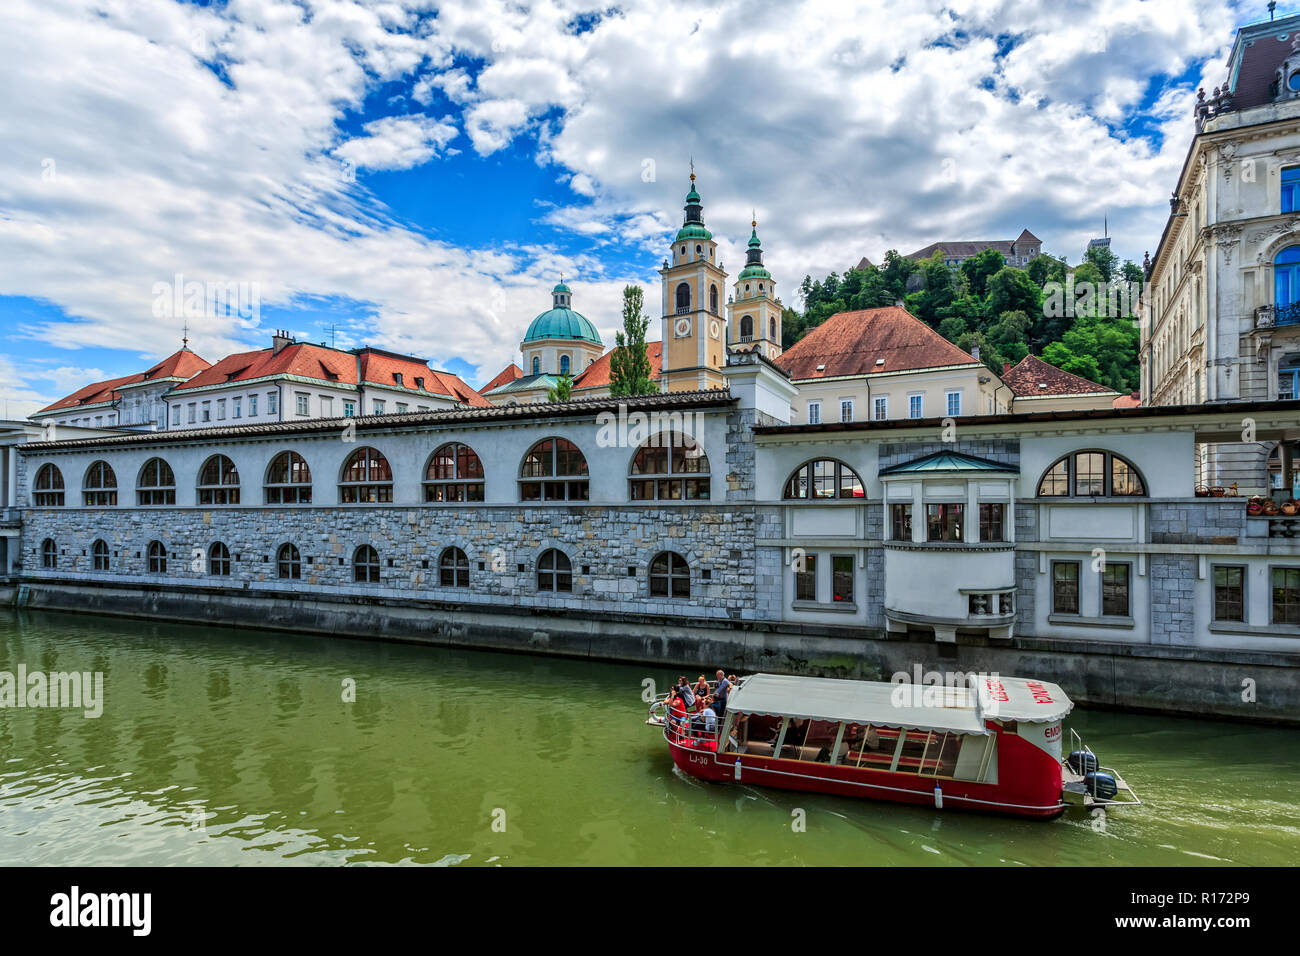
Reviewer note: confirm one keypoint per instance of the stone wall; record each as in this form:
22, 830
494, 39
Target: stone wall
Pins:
610, 550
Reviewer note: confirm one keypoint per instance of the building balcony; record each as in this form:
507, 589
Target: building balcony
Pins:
1272, 316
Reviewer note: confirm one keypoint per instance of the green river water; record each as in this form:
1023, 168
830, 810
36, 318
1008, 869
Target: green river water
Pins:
220, 746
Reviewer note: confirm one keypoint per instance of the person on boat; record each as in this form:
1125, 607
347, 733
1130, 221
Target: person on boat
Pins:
710, 718
676, 716
684, 691
720, 693
701, 688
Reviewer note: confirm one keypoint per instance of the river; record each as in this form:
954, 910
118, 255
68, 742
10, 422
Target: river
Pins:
221, 746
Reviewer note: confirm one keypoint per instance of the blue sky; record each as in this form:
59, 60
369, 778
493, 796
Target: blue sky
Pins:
417, 176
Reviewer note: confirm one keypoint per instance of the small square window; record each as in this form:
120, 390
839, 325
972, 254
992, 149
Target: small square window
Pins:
425, 564
706, 575
631, 570
586, 569
520, 567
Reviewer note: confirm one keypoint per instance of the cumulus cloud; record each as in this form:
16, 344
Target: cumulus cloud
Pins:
397, 142
146, 138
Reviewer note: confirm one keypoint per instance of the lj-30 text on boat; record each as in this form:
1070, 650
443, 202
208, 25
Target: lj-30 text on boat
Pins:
994, 744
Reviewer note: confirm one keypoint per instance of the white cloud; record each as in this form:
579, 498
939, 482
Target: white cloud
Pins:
398, 142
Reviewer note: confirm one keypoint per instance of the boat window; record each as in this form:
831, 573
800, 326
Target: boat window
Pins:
811, 740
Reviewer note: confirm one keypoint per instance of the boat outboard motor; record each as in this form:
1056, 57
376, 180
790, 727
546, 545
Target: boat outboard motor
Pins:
1082, 762
1101, 785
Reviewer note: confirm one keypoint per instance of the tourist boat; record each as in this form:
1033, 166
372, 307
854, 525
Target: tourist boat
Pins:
992, 744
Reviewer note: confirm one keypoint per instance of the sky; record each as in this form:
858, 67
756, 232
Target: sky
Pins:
417, 175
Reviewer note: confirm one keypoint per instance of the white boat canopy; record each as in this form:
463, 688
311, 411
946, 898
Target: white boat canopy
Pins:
955, 710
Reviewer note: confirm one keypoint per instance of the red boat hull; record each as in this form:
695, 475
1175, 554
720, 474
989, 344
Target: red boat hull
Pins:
1033, 788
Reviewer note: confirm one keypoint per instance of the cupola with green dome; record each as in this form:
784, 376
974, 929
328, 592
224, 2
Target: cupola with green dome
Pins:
561, 321
693, 220
754, 310
754, 257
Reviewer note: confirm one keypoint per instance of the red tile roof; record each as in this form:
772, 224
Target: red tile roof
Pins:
301, 359
452, 385
503, 377
597, 374
1131, 400
855, 343
1031, 377
181, 364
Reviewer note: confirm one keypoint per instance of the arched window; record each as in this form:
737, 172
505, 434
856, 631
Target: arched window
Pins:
218, 482
670, 575
713, 299
554, 572
100, 485
219, 559
49, 554
537, 365
48, 491
454, 473
157, 484
157, 558
554, 470
1286, 285
365, 565
367, 478
288, 480
771, 328
746, 328
824, 478
564, 365
288, 562
453, 568
1091, 474
670, 466
99, 555
684, 297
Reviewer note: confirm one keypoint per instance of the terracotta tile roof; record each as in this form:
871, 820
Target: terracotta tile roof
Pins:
301, 359
181, 364
1131, 400
453, 385
506, 375
888, 339
597, 374
1032, 377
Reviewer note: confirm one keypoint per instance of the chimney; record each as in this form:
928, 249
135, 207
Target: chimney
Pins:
280, 340
1006, 367
975, 351
898, 303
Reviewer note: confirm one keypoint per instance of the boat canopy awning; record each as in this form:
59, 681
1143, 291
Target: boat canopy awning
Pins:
919, 706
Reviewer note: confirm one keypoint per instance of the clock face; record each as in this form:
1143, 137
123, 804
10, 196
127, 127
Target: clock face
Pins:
683, 327
713, 330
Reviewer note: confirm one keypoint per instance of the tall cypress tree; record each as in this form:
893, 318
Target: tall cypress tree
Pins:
629, 365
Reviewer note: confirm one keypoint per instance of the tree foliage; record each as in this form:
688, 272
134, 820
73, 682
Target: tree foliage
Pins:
629, 364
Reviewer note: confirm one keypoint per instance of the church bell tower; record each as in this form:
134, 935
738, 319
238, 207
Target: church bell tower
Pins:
754, 311
693, 328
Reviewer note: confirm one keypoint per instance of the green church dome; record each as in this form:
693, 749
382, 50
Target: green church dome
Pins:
561, 322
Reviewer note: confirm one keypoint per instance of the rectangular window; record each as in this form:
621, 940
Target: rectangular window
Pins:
954, 404
880, 408
205, 412
805, 581
272, 402
1229, 593
176, 414
992, 521
900, 522
1291, 189
814, 413
349, 409
236, 408
915, 405
326, 406
402, 407
192, 411
1286, 595
846, 410
221, 409
379, 406
1065, 587
303, 403
1115, 590
252, 406
842, 578
1287, 381
944, 522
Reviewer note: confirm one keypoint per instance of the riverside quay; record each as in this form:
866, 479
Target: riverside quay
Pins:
702, 527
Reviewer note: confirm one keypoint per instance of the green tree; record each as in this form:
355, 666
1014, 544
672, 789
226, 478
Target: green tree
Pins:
562, 390
1105, 260
1012, 290
938, 292
629, 365
1044, 269
978, 269
1103, 350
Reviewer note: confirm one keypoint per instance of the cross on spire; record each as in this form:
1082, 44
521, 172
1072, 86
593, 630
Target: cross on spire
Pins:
185, 336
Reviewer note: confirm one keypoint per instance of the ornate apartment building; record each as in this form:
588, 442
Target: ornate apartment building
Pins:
1220, 314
